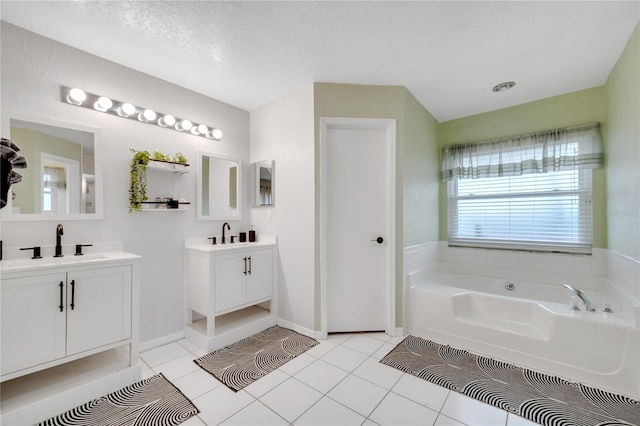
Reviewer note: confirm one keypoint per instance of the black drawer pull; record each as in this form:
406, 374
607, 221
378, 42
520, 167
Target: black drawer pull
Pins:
245, 266
61, 289
249, 265
73, 294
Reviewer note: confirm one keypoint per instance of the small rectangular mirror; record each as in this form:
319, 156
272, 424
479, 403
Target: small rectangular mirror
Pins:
219, 183
264, 187
62, 177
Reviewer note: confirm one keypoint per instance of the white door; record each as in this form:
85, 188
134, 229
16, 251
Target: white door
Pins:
260, 275
357, 198
230, 280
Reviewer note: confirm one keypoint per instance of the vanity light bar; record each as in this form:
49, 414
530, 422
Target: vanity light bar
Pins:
79, 97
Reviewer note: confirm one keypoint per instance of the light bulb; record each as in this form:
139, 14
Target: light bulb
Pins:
184, 125
147, 115
202, 129
216, 134
126, 110
167, 121
103, 104
76, 96
195, 131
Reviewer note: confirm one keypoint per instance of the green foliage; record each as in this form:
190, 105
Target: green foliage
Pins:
138, 188
160, 156
180, 158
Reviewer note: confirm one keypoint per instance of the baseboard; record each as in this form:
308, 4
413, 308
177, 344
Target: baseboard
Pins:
300, 329
161, 341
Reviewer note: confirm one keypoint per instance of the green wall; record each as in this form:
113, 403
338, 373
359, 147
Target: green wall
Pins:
416, 163
622, 93
586, 106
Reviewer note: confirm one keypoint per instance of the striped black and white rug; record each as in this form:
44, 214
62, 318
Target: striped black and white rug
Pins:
541, 398
240, 364
153, 401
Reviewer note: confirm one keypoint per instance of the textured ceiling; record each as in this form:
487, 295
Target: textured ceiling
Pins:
448, 54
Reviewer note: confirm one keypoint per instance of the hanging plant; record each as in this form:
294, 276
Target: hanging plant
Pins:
180, 158
138, 188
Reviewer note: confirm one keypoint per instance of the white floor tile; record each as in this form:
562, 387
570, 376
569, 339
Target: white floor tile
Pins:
380, 374
383, 351
147, 373
470, 411
322, 349
188, 345
396, 410
370, 422
396, 339
297, 364
196, 383
221, 403
443, 420
291, 398
513, 420
421, 391
358, 394
266, 383
255, 414
193, 421
380, 336
329, 412
177, 367
363, 343
164, 353
339, 337
321, 376
345, 358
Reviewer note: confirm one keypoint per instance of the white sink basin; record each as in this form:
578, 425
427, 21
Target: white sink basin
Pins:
27, 264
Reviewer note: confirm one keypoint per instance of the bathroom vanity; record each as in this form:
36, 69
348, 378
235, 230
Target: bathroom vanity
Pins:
69, 331
230, 292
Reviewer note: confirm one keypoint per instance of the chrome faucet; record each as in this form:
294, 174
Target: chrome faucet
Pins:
226, 224
59, 234
585, 299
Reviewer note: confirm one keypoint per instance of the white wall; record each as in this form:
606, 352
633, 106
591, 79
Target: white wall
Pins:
33, 69
284, 131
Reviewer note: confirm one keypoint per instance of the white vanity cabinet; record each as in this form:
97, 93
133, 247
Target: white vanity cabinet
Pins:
48, 317
229, 292
69, 332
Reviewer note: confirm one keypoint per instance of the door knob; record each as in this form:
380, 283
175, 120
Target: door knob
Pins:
379, 240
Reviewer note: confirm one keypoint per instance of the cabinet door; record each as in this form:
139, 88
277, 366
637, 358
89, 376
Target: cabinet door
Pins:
229, 281
33, 321
98, 308
260, 277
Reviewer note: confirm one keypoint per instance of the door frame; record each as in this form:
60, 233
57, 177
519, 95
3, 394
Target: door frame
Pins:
389, 126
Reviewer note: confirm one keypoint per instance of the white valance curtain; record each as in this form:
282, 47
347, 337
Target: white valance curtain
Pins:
541, 152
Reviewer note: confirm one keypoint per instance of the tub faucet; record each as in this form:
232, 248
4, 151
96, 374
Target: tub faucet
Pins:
585, 299
226, 224
59, 234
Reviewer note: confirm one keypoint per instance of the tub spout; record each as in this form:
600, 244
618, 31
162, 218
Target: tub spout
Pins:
585, 299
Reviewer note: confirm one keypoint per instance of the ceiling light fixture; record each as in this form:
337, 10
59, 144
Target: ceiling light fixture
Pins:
504, 86
77, 97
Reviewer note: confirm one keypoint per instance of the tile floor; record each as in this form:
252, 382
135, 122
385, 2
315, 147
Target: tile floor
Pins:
338, 382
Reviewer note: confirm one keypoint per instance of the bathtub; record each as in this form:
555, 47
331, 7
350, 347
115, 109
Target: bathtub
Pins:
530, 324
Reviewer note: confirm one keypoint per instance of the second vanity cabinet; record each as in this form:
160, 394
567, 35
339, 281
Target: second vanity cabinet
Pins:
52, 316
229, 291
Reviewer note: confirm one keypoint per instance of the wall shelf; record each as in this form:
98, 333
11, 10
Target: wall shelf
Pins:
168, 166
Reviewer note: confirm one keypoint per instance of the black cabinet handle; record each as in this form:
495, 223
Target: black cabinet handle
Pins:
73, 293
245, 266
249, 265
61, 305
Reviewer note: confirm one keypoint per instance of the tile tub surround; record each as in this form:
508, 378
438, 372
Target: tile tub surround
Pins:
339, 381
465, 315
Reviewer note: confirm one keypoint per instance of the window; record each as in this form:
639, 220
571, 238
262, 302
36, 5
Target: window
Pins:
542, 211
530, 192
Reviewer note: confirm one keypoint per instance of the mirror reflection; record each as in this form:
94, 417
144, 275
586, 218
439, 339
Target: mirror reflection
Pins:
60, 176
219, 186
264, 183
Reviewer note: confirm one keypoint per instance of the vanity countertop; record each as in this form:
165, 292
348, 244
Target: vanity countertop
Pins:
9, 266
204, 245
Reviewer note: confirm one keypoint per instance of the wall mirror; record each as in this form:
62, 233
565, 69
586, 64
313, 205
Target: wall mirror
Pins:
62, 180
219, 183
264, 183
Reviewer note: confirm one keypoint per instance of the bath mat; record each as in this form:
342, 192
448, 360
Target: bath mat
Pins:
241, 363
153, 401
541, 398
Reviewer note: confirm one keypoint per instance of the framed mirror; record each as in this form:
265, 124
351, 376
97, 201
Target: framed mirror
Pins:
264, 187
62, 180
219, 183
